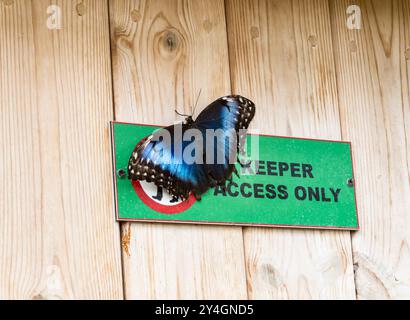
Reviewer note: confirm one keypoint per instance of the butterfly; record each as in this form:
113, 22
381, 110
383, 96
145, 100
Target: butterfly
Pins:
157, 160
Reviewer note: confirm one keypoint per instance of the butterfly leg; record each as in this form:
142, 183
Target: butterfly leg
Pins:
222, 184
235, 171
244, 165
212, 181
197, 196
159, 194
230, 176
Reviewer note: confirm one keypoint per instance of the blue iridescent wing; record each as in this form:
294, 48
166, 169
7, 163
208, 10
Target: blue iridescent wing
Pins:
229, 114
159, 161
155, 160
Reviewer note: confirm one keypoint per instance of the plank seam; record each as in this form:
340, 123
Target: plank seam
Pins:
112, 168
231, 88
332, 32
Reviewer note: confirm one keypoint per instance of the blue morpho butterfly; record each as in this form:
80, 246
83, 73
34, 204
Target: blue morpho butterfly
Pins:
155, 160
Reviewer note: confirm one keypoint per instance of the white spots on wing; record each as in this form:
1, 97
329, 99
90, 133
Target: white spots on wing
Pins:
228, 98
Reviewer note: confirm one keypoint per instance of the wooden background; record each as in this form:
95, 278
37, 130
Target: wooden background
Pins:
135, 61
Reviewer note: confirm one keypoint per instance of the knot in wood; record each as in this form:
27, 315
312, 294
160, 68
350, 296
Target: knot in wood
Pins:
170, 41
313, 41
135, 15
80, 9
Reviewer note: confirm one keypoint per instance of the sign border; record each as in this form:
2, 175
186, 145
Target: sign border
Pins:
114, 166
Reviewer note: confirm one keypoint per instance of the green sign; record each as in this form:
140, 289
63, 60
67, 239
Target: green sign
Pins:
294, 183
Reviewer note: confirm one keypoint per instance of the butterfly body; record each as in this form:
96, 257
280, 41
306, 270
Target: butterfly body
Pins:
163, 161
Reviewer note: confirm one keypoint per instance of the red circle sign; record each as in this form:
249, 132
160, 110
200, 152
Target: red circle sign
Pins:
162, 204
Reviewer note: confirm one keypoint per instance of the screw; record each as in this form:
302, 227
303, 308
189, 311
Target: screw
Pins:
121, 173
350, 182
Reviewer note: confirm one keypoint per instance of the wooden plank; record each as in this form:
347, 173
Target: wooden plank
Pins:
281, 57
373, 72
58, 238
164, 52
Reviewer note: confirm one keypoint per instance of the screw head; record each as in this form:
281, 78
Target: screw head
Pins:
121, 173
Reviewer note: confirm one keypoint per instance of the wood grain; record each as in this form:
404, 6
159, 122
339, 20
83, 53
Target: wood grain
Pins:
308, 74
373, 72
58, 238
281, 57
164, 52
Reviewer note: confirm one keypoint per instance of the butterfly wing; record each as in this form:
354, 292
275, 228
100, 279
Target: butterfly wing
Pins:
156, 159
231, 115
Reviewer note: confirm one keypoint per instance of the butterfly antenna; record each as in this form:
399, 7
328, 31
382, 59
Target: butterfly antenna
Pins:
196, 102
183, 115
